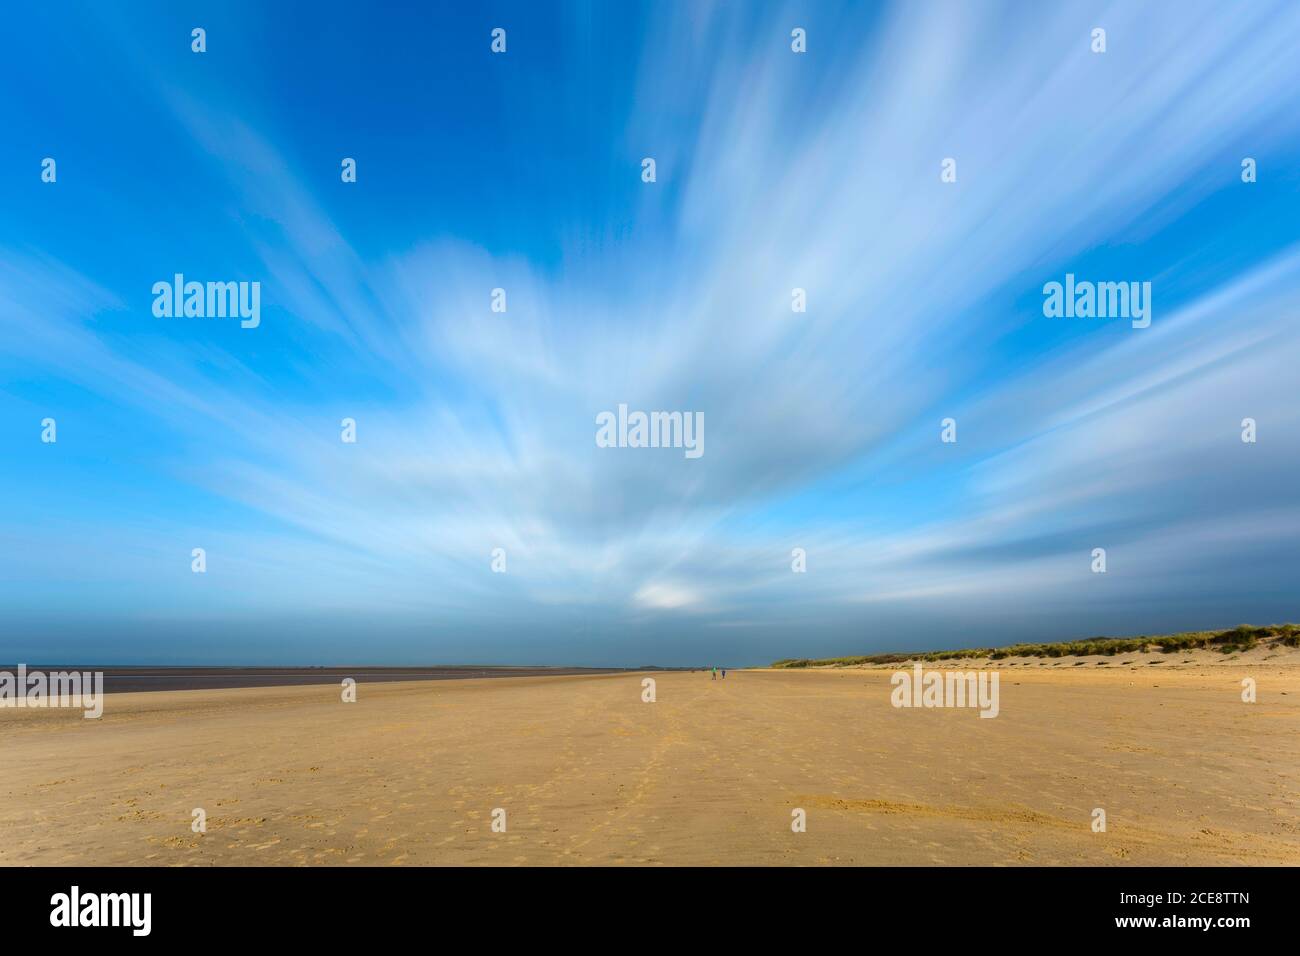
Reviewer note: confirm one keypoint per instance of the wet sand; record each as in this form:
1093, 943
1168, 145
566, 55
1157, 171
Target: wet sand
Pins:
121, 680
708, 774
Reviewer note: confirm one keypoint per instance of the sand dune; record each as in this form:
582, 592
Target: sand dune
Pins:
708, 774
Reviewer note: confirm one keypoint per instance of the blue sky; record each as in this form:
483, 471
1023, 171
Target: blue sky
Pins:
475, 429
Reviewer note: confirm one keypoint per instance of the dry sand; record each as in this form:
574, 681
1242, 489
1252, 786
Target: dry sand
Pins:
708, 774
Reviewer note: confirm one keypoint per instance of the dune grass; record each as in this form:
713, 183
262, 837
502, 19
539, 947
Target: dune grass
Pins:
1240, 638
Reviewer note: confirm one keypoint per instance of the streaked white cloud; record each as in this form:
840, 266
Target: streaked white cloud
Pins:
818, 423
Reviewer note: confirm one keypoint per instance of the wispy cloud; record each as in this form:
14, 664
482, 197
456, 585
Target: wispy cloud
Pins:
776, 171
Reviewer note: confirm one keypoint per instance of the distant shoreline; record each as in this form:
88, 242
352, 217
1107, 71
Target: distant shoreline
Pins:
123, 679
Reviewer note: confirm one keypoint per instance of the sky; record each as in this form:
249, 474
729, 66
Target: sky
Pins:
476, 429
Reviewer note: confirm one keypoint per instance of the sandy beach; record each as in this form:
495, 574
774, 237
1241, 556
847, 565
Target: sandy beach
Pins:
707, 774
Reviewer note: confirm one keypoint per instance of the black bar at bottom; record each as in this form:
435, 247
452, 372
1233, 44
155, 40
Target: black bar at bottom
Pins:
214, 905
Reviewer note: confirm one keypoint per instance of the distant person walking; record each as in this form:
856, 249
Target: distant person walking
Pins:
724, 673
